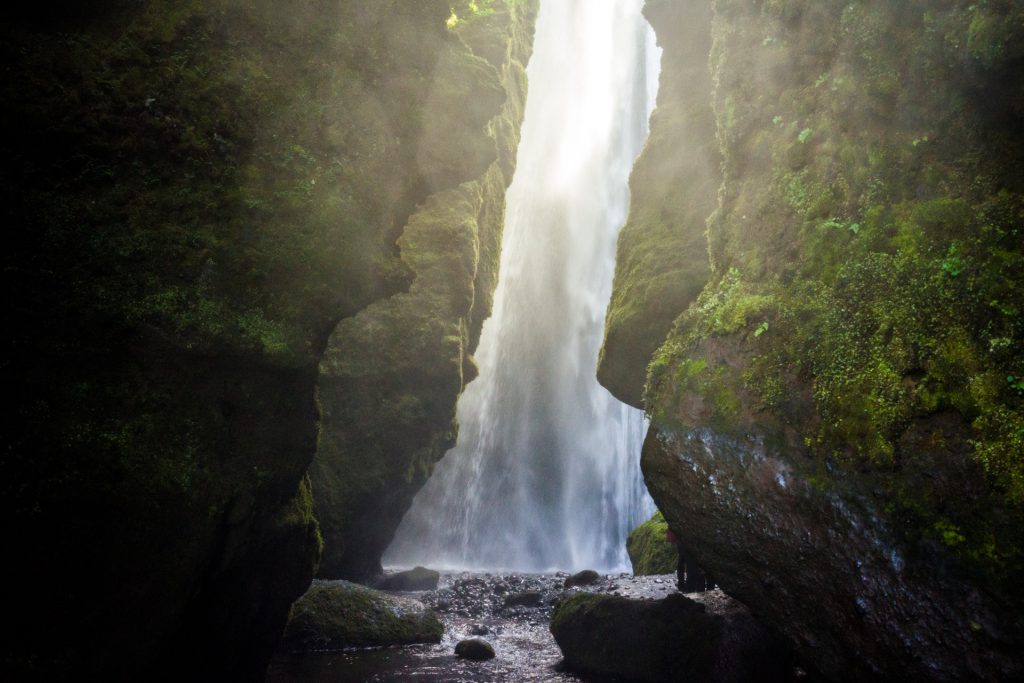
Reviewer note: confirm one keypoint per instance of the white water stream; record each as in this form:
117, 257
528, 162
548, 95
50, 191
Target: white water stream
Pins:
546, 472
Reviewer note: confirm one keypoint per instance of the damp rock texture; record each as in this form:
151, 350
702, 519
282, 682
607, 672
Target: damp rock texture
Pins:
334, 615
671, 639
837, 419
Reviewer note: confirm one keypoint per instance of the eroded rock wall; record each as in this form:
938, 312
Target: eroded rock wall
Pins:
195, 194
392, 374
837, 417
661, 261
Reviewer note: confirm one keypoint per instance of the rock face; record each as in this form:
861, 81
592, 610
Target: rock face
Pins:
836, 418
673, 639
198, 193
391, 375
650, 551
334, 615
661, 263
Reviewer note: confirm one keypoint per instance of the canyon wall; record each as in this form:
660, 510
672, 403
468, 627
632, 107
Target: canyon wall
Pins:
838, 416
198, 196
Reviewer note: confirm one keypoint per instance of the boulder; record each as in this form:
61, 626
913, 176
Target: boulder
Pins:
650, 550
524, 599
337, 614
673, 639
475, 649
416, 579
583, 578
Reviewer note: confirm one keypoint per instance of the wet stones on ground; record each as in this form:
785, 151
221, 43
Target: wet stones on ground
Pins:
476, 606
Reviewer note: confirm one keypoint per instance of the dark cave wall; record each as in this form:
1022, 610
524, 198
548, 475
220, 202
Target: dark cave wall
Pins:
195, 194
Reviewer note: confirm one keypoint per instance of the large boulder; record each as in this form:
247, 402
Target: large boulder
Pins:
415, 579
650, 550
673, 639
333, 615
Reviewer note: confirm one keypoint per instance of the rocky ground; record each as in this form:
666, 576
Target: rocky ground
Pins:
510, 611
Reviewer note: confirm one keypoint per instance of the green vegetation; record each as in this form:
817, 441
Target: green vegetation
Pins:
661, 263
879, 240
197, 192
650, 551
391, 375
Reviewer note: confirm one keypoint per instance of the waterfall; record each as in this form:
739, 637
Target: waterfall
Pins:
546, 471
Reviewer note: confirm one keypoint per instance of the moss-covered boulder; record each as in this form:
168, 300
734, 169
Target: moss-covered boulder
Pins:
333, 615
649, 548
391, 375
673, 639
839, 413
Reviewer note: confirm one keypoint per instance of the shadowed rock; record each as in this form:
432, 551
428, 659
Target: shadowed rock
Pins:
583, 578
416, 579
475, 649
674, 639
337, 614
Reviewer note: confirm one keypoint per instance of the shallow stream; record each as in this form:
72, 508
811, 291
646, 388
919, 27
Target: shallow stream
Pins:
470, 604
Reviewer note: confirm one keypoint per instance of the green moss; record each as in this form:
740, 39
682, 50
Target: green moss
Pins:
334, 615
661, 261
867, 256
650, 551
390, 376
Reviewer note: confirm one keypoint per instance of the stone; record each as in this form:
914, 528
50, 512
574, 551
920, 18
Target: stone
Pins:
416, 579
652, 548
474, 648
524, 599
714, 639
583, 578
333, 615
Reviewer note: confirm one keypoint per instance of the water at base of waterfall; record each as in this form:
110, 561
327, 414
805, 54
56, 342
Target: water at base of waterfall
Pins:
525, 649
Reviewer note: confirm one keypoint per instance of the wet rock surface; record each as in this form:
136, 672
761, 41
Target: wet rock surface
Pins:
475, 649
334, 615
415, 579
473, 605
702, 637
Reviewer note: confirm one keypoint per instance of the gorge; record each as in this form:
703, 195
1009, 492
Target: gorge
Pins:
252, 248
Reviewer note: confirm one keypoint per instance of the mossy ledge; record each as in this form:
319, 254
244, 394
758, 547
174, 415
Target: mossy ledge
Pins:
392, 374
196, 193
837, 420
661, 262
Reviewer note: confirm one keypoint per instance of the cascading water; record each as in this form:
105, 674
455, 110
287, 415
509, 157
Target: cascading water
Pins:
546, 471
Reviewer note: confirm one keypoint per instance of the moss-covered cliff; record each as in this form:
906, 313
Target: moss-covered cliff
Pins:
838, 418
195, 194
391, 375
661, 261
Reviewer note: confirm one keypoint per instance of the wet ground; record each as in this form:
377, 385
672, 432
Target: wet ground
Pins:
472, 606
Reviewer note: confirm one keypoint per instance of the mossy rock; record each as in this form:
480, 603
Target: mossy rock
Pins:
334, 615
661, 260
650, 551
672, 639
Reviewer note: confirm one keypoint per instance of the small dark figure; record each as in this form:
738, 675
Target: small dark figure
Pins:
690, 578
